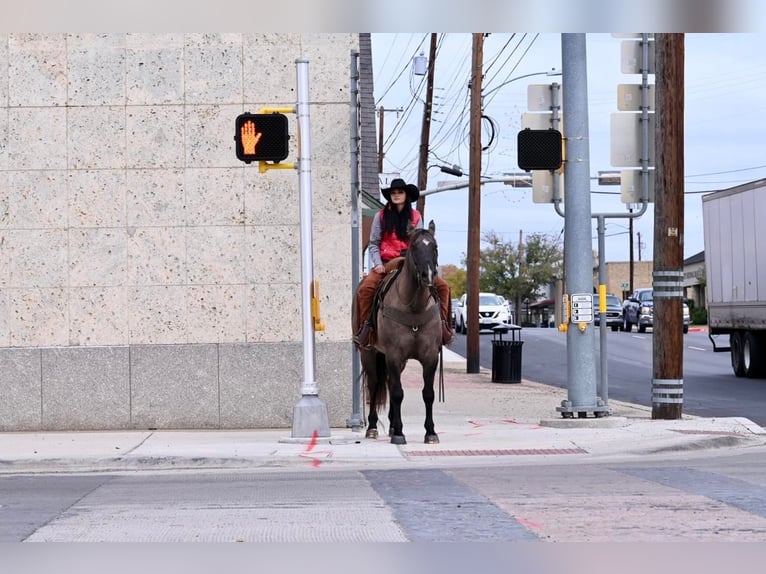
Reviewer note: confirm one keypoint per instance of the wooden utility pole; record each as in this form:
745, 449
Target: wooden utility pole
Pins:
474, 208
382, 114
425, 132
667, 381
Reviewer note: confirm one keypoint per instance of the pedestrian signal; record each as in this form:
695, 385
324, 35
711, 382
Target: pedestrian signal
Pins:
539, 149
261, 137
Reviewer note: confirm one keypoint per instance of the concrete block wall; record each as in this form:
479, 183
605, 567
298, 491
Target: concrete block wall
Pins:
147, 277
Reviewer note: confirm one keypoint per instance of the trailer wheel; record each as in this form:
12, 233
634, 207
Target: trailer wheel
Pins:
737, 356
752, 355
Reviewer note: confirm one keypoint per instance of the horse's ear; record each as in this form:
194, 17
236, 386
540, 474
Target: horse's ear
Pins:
410, 228
432, 227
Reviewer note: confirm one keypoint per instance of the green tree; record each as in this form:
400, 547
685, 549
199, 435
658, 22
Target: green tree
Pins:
455, 277
519, 273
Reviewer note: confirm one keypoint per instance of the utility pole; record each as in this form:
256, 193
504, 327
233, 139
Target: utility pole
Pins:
425, 132
521, 276
474, 208
667, 341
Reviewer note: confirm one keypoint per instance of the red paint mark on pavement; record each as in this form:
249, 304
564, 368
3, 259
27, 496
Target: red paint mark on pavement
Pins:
475, 424
529, 523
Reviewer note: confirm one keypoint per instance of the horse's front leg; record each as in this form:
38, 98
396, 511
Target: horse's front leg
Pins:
396, 396
429, 373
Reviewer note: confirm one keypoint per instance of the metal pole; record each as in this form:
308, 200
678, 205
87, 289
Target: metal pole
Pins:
604, 378
355, 421
581, 367
310, 414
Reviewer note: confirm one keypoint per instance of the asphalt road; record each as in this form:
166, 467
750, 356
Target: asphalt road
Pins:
710, 387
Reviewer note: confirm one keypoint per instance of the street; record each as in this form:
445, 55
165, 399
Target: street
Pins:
710, 387
721, 498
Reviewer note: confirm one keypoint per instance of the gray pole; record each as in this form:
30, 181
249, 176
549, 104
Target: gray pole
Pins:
581, 366
355, 421
604, 378
310, 413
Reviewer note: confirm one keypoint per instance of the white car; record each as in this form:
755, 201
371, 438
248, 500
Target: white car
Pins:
493, 311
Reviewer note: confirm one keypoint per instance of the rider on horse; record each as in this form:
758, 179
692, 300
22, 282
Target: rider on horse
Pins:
388, 239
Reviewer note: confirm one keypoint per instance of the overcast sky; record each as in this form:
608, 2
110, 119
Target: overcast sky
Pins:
725, 77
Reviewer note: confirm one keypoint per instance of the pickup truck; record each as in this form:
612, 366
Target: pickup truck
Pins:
638, 309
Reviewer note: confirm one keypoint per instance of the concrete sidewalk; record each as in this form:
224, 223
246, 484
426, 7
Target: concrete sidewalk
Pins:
479, 423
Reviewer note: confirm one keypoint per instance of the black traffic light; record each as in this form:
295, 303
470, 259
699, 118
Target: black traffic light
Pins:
261, 137
539, 149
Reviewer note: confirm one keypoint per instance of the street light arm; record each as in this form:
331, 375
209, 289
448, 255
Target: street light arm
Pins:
552, 72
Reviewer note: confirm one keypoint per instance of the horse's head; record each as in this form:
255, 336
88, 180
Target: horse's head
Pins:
423, 254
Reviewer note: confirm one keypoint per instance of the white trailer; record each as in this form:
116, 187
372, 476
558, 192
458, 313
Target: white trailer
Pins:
735, 273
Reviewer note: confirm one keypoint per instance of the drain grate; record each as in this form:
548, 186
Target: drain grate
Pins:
496, 452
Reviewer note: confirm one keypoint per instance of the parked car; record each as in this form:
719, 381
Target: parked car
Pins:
613, 311
492, 312
455, 303
638, 310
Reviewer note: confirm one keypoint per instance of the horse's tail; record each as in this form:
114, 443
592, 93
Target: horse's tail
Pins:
377, 384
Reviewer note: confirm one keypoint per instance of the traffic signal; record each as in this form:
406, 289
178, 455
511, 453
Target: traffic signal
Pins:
539, 149
261, 137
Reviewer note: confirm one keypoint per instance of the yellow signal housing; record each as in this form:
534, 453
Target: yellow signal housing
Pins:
317, 321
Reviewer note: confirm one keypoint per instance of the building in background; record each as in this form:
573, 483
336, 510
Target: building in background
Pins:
148, 279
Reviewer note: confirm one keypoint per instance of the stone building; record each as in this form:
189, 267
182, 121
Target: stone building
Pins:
148, 279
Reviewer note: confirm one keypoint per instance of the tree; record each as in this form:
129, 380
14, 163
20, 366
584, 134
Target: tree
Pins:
502, 272
455, 277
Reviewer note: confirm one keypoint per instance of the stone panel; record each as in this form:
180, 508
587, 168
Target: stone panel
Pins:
97, 198
156, 197
157, 256
20, 376
274, 312
98, 257
273, 254
157, 314
38, 199
5, 327
260, 384
98, 316
37, 70
330, 134
209, 135
174, 386
96, 137
4, 65
277, 54
154, 69
38, 317
38, 257
216, 254
32, 134
328, 71
277, 188
96, 69
85, 388
155, 136
216, 196
213, 68
216, 313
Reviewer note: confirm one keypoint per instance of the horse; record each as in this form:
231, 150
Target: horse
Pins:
408, 327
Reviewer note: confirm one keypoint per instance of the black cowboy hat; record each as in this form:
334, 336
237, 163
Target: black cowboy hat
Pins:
412, 191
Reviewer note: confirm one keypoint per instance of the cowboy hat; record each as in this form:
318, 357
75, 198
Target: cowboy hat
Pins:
412, 191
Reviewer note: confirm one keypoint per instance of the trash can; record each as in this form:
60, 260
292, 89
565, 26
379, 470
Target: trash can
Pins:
506, 354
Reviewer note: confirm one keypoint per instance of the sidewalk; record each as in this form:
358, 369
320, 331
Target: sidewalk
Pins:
479, 423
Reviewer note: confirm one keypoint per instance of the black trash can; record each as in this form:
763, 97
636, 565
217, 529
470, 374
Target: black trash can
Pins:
506, 354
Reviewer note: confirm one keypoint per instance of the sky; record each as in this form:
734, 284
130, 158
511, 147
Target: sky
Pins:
725, 101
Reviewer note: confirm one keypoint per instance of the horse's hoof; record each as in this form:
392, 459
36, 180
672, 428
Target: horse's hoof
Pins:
432, 439
398, 439
371, 433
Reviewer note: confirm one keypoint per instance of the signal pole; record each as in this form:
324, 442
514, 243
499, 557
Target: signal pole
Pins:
667, 342
474, 208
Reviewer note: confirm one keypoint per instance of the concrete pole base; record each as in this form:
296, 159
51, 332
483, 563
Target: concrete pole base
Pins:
309, 415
